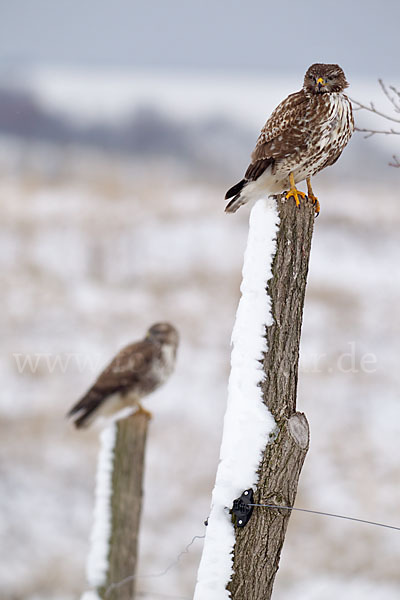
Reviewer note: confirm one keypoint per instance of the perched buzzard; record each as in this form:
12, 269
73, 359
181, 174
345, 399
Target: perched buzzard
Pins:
136, 371
306, 133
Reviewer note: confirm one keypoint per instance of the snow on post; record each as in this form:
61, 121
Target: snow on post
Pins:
90, 595
112, 561
248, 424
98, 559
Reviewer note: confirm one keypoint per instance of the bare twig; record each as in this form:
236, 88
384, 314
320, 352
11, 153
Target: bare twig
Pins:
395, 90
391, 99
371, 108
393, 95
396, 162
372, 132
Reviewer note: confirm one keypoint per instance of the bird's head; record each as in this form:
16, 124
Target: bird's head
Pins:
323, 79
163, 333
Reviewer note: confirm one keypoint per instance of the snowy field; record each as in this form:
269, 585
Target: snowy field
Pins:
94, 251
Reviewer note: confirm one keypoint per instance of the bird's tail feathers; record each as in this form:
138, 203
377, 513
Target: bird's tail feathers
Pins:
84, 410
235, 190
238, 199
235, 203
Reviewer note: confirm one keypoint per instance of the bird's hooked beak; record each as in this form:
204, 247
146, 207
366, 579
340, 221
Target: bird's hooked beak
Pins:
320, 83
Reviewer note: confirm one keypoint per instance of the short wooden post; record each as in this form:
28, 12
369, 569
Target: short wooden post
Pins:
126, 504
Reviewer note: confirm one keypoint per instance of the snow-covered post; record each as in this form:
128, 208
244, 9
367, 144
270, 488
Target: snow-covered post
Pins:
264, 439
113, 554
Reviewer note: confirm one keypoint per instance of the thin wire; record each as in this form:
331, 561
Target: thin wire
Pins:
200, 537
114, 586
325, 514
160, 595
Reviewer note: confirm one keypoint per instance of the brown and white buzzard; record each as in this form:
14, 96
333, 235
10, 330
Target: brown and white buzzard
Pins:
306, 133
136, 371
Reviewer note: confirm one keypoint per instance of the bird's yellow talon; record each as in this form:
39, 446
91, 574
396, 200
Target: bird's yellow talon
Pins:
316, 204
294, 192
142, 411
313, 198
296, 195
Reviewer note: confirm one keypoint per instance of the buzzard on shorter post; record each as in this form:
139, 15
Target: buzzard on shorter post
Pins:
306, 133
136, 371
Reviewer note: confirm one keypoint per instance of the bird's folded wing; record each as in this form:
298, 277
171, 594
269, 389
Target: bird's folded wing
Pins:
285, 132
126, 369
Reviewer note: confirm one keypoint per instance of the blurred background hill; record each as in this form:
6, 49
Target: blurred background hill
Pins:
121, 126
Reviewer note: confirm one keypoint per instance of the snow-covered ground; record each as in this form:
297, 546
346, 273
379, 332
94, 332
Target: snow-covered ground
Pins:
94, 251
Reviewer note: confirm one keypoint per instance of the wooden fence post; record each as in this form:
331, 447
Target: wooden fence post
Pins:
113, 575
241, 562
258, 545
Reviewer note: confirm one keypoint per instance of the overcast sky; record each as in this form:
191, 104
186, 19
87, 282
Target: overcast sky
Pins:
258, 35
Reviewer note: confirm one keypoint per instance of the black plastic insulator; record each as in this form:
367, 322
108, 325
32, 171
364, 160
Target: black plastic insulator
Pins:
241, 509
